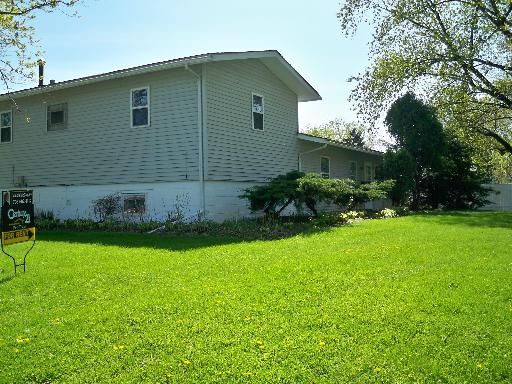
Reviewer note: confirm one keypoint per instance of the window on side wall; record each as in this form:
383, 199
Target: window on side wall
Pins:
352, 174
368, 172
57, 117
325, 167
6, 127
258, 112
134, 203
139, 111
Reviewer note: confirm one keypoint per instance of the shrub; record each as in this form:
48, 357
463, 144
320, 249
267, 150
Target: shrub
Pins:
107, 206
310, 190
274, 197
387, 213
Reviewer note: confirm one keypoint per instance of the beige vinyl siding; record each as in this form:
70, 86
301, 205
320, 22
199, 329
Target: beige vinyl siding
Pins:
99, 146
340, 159
236, 151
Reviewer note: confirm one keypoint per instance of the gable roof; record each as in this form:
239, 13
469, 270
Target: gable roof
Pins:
321, 140
272, 59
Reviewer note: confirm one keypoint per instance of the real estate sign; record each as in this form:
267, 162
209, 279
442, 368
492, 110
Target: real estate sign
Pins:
17, 217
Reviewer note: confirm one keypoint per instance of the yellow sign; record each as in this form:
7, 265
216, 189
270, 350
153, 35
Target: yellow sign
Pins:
19, 236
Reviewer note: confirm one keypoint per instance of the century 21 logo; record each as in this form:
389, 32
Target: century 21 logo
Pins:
24, 215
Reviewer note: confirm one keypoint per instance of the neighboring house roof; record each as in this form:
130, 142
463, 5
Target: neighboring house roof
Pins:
272, 59
321, 140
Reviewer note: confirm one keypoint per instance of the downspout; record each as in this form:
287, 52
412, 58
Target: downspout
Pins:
310, 151
200, 138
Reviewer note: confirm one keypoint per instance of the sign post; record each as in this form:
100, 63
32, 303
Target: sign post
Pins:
17, 221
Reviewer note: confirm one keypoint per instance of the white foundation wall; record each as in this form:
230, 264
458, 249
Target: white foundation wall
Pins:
162, 199
223, 202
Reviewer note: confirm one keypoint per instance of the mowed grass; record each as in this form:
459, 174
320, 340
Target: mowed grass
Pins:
423, 298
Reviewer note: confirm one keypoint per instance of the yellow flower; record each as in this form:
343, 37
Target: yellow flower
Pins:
377, 370
479, 365
321, 343
186, 362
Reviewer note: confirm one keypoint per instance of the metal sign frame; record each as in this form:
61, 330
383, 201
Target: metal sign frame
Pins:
20, 226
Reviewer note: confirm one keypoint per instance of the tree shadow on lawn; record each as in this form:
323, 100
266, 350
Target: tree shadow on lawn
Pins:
472, 218
170, 242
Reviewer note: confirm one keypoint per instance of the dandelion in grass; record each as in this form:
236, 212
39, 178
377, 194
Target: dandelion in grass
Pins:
186, 362
479, 365
321, 343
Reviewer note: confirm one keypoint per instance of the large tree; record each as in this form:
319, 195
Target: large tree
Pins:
458, 53
431, 166
351, 133
18, 44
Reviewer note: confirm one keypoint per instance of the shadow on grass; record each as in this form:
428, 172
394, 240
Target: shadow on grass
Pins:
472, 218
170, 242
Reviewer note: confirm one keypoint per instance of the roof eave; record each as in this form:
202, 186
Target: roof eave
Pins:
321, 140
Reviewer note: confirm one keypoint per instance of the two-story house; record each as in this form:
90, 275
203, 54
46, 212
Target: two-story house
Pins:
190, 132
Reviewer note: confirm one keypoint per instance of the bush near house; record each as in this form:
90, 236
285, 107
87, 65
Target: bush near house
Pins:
310, 190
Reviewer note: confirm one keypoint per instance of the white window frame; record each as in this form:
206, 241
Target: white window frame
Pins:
66, 117
252, 111
322, 173
148, 107
127, 196
350, 169
10, 112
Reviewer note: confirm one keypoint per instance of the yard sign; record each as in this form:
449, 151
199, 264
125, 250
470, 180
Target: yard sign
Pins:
17, 220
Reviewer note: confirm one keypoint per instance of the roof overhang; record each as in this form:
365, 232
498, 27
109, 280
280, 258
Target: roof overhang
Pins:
271, 59
321, 140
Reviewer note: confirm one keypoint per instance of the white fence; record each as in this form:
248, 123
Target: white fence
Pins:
501, 201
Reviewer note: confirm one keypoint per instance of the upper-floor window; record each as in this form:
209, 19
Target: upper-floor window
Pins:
140, 116
353, 170
6, 127
57, 117
258, 111
325, 167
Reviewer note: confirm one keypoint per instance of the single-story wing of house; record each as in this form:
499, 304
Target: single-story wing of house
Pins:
184, 135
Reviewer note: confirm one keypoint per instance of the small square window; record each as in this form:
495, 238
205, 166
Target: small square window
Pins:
57, 116
258, 111
133, 203
140, 115
325, 167
5, 127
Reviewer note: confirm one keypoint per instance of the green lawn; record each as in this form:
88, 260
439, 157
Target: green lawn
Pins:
417, 299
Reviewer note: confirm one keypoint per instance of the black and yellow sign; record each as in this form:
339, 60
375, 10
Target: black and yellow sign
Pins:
19, 236
17, 217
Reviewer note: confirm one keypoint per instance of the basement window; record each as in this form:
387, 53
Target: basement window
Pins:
6, 127
134, 203
57, 117
139, 103
258, 111
325, 167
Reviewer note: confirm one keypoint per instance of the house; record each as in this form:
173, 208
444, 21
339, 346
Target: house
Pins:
186, 134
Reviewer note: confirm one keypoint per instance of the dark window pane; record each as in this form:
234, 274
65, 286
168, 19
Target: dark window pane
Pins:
257, 104
134, 204
5, 119
258, 120
5, 134
57, 117
140, 117
140, 98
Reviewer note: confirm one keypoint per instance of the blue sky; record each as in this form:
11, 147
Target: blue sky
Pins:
115, 34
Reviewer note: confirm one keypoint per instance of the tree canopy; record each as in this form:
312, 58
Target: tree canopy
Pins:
431, 166
351, 133
18, 44
456, 53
